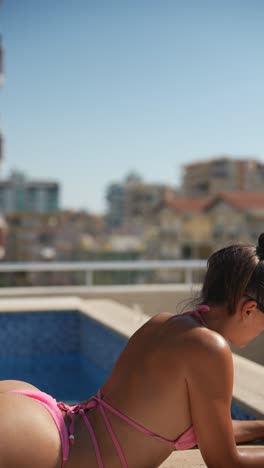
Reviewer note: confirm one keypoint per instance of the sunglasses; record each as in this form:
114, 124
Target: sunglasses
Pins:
259, 305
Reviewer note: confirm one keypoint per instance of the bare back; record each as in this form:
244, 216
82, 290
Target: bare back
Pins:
148, 384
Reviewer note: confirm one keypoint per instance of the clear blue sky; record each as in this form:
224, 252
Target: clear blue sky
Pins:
97, 88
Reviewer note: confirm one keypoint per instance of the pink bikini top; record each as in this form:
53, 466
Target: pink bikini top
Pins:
197, 314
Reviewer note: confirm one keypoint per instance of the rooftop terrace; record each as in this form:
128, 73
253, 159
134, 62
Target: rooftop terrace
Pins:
249, 375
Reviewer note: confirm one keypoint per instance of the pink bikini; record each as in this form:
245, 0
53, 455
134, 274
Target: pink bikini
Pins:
185, 441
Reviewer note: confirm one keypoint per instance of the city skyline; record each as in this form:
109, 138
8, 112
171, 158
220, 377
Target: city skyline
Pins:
94, 90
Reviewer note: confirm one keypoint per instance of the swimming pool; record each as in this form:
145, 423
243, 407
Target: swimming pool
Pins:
65, 353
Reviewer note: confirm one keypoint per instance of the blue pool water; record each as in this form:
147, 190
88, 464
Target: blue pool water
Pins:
239, 413
65, 354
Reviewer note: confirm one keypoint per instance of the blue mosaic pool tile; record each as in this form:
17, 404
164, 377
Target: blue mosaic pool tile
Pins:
36, 332
238, 413
59, 375
66, 353
99, 344
59, 331
92, 377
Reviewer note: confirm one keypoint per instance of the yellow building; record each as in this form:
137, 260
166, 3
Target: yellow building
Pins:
184, 228
236, 216
194, 228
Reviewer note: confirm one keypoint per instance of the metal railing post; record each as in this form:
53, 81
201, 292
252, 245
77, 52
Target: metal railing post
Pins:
188, 276
89, 278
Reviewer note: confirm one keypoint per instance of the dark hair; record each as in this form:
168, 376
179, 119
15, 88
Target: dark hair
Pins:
233, 272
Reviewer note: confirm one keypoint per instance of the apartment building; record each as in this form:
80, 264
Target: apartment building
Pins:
132, 200
19, 195
222, 174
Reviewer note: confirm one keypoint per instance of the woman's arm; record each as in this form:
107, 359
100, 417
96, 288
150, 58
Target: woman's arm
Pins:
246, 431
210, 384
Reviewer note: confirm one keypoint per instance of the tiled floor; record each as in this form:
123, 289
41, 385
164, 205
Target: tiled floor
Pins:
184, 459
189, 459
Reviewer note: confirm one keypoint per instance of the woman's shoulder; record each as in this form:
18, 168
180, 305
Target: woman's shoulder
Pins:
151, 325
210, 348
161, 317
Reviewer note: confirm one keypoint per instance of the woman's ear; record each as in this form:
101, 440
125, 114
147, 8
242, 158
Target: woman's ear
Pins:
248, 306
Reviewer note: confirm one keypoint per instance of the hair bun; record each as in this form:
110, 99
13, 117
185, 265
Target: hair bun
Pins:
260, 247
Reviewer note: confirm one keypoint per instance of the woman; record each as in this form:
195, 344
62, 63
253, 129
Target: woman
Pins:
171, 387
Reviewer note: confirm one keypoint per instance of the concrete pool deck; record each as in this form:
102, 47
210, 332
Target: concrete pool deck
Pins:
249, 376
189, 459
186, 459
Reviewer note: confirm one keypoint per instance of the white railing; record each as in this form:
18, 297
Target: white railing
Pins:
186, 266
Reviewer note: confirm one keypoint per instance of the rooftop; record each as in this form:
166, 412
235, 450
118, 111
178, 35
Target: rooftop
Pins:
249, 376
